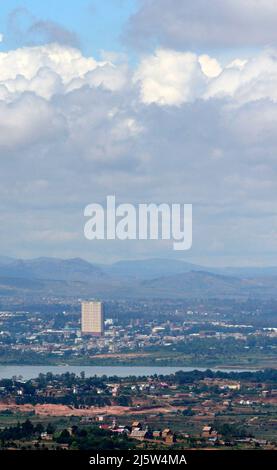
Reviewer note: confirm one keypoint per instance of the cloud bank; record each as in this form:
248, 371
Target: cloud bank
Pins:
201, 23
180, 127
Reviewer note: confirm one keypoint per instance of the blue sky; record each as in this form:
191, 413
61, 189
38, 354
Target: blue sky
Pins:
97, 23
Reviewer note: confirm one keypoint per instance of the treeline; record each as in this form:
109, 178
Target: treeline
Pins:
267, 375
93, 438
25, 430
213, 348
75, 438
87, 388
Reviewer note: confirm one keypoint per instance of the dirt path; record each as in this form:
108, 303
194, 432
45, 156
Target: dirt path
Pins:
63, 410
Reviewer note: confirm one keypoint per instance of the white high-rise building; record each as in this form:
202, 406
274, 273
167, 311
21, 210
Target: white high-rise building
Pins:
92, 318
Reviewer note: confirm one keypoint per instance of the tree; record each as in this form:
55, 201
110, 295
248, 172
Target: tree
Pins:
64, 437
39, 428
188, 412
27, 428
50, 428
124, 400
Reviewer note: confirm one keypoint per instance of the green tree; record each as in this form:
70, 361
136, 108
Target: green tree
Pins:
50, 428
27, 428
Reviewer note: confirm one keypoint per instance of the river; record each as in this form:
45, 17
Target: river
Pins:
29, 372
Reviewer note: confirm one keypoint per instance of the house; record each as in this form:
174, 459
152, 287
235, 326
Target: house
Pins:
209, 433
168, 436
230, 386
260, 442
46, 437
99, 418
140, 435
136, 425
207, 429
121, 429
170, 439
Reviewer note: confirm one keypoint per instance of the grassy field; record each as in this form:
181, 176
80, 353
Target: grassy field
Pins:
160, 358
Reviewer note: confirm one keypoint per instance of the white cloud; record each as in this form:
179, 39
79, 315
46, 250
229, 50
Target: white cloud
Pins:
1, 37
209, 66
51, 69
248, 80
65, 61
170, 77
73, 130
165, 77
29, 121
107, 76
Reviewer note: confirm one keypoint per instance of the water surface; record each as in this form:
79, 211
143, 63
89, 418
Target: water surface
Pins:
30, 372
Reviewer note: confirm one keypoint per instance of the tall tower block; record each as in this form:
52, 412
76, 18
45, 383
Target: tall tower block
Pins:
92, 321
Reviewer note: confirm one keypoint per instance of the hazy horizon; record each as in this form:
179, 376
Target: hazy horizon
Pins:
130, 260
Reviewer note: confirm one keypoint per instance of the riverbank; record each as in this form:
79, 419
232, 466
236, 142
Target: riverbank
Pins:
143, 360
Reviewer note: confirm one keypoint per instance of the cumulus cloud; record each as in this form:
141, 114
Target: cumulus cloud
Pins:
106, 75
170, 77
28, 121
181, 127
165, 77
27, 61
193, 23
247, 80
51, 69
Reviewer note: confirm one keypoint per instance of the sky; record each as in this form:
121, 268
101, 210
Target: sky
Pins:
97, 25
149, 100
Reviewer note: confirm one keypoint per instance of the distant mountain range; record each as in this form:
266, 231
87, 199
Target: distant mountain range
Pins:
75, 269
153, 268
131, 279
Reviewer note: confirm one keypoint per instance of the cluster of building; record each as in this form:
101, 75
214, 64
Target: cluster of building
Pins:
141, 432
186, 408
67, 335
